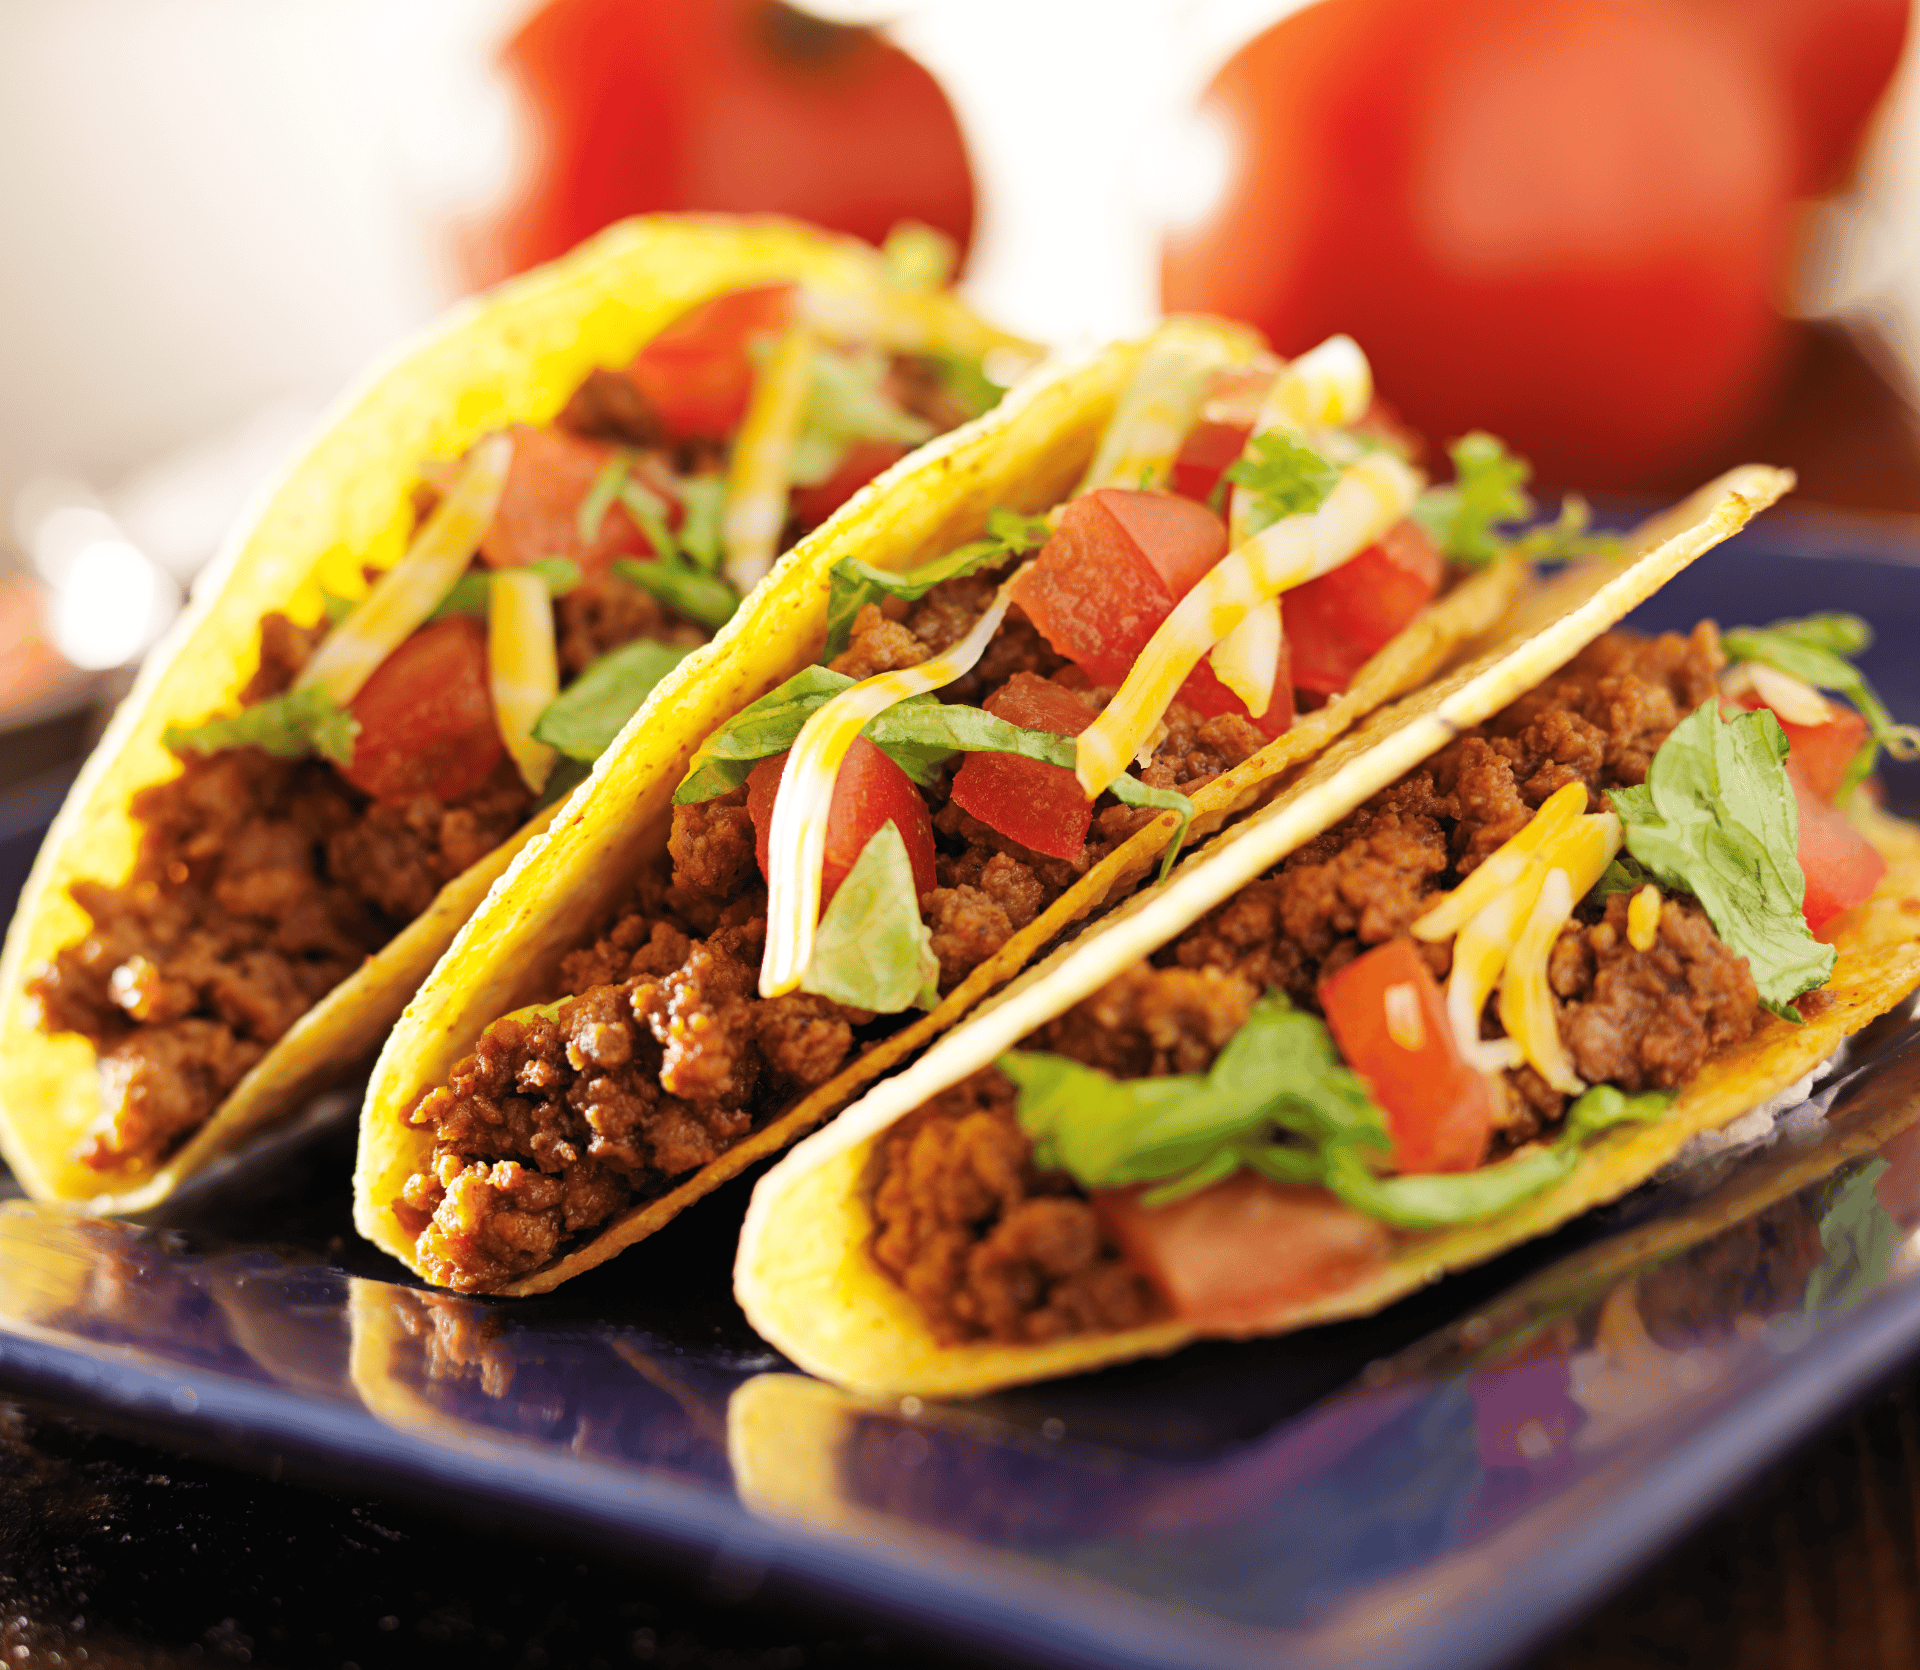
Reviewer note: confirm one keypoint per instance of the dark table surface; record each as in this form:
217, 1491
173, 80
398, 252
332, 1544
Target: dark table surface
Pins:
114, 1553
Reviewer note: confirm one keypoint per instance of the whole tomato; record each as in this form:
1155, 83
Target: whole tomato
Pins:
1561, 220
1834, 59
728, 105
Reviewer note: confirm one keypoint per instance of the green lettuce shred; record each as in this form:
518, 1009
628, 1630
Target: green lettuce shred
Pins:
1716, 817
705, 598
872, 950
1278, 1100
1283, 477
298, 723
1489, 490
1819, 650
590, 712
472, 590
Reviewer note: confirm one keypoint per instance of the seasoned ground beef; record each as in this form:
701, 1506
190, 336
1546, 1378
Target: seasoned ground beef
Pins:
259, 886
989, 1246
1641, 1020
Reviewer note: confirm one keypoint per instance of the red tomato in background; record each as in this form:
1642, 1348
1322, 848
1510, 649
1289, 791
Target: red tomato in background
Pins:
870, 790
1039, 805
697, 374
1337, 623
426, 716
864, 460
539, 511
732, 105
1438, 1107
1834, 59
1560, 220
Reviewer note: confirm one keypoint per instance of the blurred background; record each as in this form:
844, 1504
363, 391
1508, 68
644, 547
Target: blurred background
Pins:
1637, 238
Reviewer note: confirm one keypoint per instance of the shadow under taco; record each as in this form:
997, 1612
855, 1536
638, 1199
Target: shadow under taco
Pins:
1493, 959
420, 639
1105, 619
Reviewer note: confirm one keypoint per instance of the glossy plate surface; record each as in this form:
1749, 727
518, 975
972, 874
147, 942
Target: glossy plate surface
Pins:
1428, 1487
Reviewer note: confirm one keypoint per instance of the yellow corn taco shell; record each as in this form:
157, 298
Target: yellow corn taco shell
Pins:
1026, 454
804, 1275
512, 356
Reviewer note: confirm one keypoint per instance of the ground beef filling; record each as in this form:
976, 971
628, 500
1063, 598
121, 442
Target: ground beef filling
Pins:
1638, 1019
661, 1055
259, 885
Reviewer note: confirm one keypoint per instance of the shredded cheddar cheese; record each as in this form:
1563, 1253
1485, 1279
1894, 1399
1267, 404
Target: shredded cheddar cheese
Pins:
403, 597
1406, 1025
757, 475
523, 667
1503, 868
1247, 659
1643, 918
1141, 441
797, 839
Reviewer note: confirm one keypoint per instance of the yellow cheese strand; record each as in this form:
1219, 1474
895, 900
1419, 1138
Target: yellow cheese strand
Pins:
413, 588
1371, 495
523, 667
1143, 437
1578, 859
1247, 659
797, 838
1330, 385
757, 476
1448, 915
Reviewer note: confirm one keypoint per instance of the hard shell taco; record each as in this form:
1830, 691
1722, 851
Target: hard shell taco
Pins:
431, 625
1051, 648
1491, 960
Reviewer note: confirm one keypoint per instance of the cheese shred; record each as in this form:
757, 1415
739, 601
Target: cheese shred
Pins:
523, 667
757, 475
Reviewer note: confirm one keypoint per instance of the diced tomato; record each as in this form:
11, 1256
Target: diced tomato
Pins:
697, 373
539, 513
1337, 623
1113, 571
1239, 1257
1840, 864
426, 716
1823, 752
869, 791
1438, 1105
1204, 693
1204, 456
1038, 805
864, 460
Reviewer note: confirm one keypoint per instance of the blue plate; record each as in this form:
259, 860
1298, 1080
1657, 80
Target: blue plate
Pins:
1430, 1487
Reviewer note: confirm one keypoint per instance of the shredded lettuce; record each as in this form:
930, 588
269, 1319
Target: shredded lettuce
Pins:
1278, 1100
1819, 650
705, 598
848, 402
471, 591
1283, 478
920, 735
1489, 488
300, 722
966, 381
1623, 875
589, 713
872, 949
600, 496
1717, 818
702, 498
854, 584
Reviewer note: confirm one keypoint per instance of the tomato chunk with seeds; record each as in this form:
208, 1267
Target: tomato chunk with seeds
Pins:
1039, 805
1823, 752
697, 373
1205, 456
1241, 1256
1841, 865
1113, 571
864, 460
539, 513
426, 716
1390, 1021
1337, 623
869, 791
